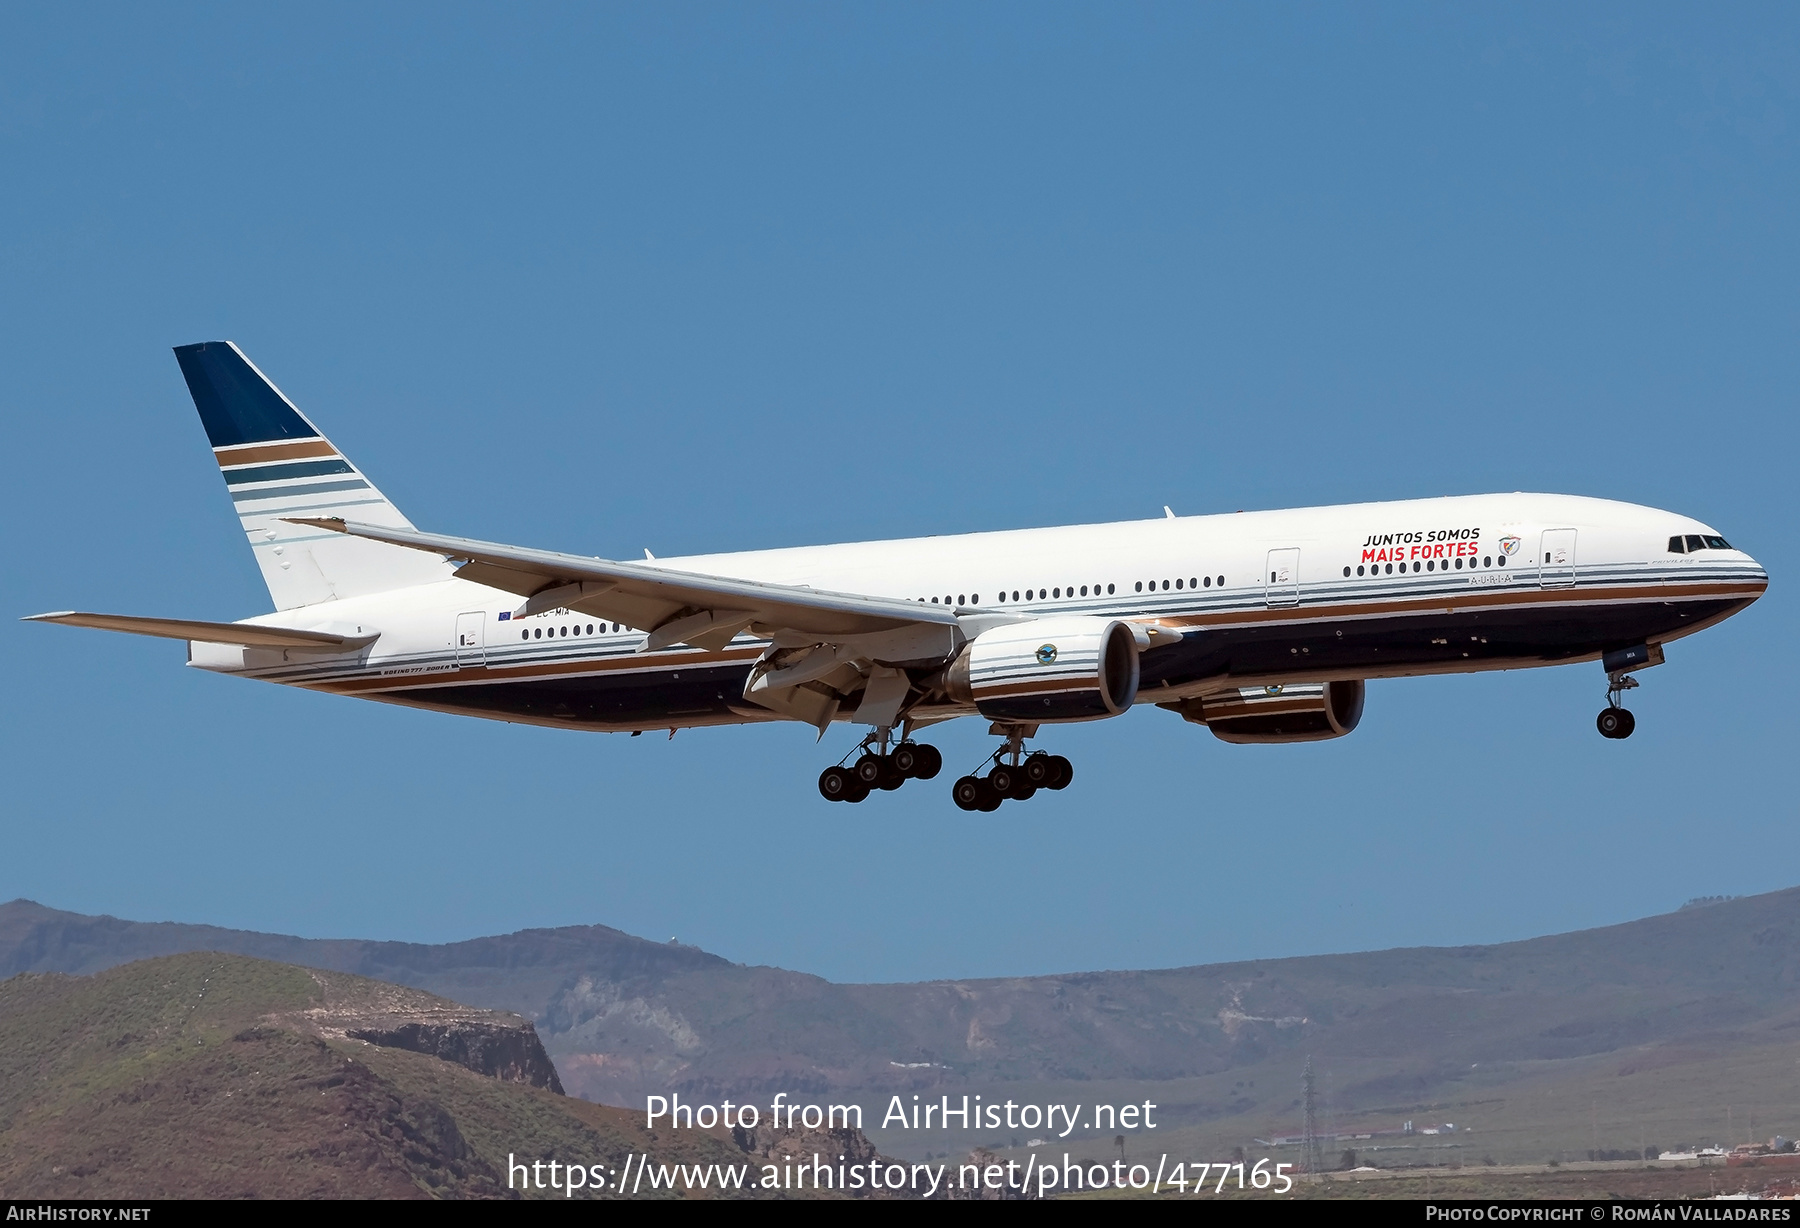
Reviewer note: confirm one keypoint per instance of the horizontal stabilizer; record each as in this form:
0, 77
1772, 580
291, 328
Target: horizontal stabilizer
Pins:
248, 634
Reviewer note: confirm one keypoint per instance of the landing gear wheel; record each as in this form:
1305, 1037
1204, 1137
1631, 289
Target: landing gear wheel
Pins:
1022, 790
930, 762
1038, 770
836, 784
870, 769
1615, 723
990, 798
968, 793
1065, 772
905, 760
1001, 779
891, 777
858, 791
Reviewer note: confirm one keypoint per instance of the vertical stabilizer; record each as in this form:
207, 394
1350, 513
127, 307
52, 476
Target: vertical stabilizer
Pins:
276, 464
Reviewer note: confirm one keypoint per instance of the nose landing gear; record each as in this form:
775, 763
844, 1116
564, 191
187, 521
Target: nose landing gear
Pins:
1017, 780
878, 770
1614, 720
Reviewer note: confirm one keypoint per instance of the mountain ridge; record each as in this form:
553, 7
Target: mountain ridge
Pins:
624, 1017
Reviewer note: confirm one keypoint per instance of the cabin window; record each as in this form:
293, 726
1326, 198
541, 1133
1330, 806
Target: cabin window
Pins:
1165, 586
525, 634
1346, 571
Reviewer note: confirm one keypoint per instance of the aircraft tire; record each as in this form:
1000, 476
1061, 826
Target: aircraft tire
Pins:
1615, 723
905, 758
1065, 772
1001, 780
870, 769
930, 761
835, 784
967, 793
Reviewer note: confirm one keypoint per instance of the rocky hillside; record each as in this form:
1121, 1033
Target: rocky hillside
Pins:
210, 1075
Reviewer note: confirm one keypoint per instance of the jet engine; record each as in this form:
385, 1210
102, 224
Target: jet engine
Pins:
1297, 712
1050, 669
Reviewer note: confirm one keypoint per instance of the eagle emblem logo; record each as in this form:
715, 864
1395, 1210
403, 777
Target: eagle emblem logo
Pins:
1046, 654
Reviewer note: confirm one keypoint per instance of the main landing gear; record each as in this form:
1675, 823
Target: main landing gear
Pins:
879, 768
1018, 780
1615, 721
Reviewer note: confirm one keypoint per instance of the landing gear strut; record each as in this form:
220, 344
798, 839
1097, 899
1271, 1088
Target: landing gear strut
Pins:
1014, 775
879, 768
1615, 721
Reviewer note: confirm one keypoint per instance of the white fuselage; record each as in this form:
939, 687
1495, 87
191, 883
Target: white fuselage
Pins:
1313, 594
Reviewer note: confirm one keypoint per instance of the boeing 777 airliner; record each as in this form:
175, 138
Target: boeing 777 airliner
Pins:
1261, 626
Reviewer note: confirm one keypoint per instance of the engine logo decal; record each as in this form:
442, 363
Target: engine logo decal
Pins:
1046, 654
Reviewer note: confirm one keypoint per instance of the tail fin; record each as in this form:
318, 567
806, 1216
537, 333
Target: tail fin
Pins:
277, 464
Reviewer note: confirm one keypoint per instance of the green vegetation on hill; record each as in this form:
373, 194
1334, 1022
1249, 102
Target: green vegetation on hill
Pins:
210, 1075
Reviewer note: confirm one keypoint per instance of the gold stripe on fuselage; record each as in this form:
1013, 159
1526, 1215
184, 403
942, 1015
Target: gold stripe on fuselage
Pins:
1289, 615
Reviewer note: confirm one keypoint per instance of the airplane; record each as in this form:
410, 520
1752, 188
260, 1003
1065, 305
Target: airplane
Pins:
1264, 627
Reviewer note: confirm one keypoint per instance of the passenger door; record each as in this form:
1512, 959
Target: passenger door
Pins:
471, 652
1284, 578
1556, 559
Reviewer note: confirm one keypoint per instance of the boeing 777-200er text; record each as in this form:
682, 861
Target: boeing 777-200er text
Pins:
1262, 626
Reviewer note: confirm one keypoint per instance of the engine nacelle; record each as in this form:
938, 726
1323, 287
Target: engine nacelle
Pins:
1050, 669
1297, 712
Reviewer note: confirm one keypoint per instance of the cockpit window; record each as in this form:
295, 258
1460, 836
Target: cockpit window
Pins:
1695, 541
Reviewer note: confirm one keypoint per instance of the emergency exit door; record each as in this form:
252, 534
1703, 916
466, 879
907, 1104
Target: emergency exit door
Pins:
1283, 584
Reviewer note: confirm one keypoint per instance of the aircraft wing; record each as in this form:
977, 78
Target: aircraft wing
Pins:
675, 607
248, 634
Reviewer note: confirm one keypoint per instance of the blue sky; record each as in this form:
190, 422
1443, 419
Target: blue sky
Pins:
702, 278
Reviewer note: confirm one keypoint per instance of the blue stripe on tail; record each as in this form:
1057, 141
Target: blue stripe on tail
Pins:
236, 404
